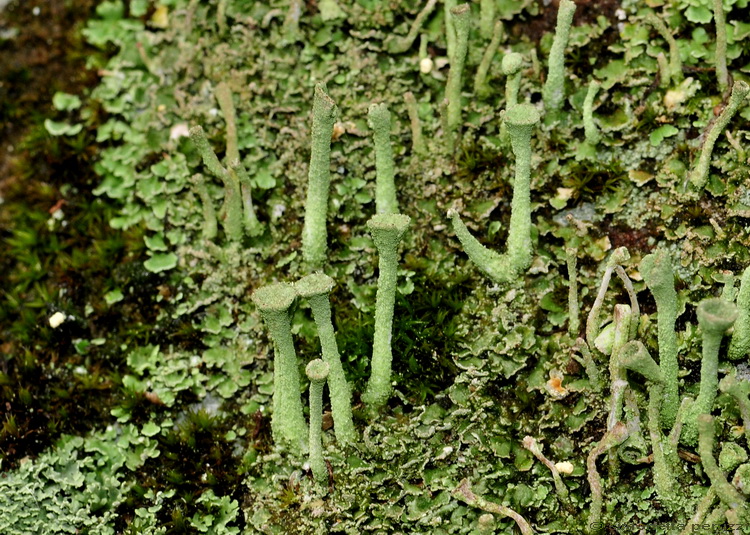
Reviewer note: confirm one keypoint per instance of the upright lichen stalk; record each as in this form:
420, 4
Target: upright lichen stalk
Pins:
722, 74
740, 345
387, 231
317, 372
656, 270
553, 92
461, 17
314, 233
316, 288
520, 121
715, 316
287, 422
379, 119
232, 211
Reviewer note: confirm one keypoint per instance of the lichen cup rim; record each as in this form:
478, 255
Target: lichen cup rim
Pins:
314, 284
275, 297
716, 314
522, 115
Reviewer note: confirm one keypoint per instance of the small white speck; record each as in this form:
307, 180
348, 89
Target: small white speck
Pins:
56, 319
425, 65
178, 131
620, 14
564, 467
36, 11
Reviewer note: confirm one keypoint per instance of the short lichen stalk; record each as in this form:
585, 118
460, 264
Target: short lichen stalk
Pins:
574, 309
715, 316
699, 173
314, 233
253, 227
613, 438
417, 141
481, 89
511, 66
589, 126
398, 45
487, 18
210, 228
387, 231
224, 96
593, 322
675, 63
287, 421
232, 210
739, 389
316, 288
317, 372
553, 92
656, 270
464, 493
379, 119
520, 121
724, 490
461, 18
722, 74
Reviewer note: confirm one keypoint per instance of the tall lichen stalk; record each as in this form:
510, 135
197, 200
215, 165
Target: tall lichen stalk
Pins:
315, 233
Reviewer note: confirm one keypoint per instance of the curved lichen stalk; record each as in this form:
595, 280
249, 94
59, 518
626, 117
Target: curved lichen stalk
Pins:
520, 120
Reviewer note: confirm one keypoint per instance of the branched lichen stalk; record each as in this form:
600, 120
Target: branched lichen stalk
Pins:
553, 91
461, 16
379, 119
592, 371
614, 437
387, 231
591, 131
722, 74
287, 422
417, 142
715, 316
593, 323
481, 89
210, 228
724, 490
464, 493
316, 289
520, 121
699, 173
314, 233
224, 96
398, 45
675, 63
232, 211
656, 270
317, 372
560, 489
